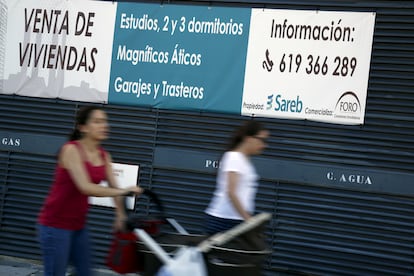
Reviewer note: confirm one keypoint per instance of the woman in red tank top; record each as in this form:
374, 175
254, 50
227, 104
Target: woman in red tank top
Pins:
82, 164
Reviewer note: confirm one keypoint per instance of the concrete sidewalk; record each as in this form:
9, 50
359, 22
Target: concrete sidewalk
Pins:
11, 266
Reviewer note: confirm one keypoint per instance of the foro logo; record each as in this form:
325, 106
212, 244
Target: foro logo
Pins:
348, 103
10, 141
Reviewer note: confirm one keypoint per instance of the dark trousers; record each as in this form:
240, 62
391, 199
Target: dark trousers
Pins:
60, 246
214, 224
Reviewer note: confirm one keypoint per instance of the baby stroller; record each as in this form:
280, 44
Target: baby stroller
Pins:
238, 251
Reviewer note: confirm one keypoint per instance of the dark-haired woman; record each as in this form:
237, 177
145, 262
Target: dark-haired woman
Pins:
237, 181
82, 164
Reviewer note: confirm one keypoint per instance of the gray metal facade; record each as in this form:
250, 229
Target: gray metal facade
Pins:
341, 196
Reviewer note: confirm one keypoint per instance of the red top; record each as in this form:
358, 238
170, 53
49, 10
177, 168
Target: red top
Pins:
66, 207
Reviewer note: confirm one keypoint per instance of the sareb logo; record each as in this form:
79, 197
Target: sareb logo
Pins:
281, 104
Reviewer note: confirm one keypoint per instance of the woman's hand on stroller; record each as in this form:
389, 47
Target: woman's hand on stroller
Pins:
133, 191
121, 219
120, 222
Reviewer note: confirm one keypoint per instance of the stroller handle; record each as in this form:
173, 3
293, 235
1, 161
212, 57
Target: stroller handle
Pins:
130, 224
151, 195
132, 219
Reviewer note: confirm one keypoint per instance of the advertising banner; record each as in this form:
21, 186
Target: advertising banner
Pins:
179, 57
308, 65
58, 49
311, 65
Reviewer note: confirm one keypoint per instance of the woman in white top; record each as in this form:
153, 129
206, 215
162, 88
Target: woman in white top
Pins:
234, 198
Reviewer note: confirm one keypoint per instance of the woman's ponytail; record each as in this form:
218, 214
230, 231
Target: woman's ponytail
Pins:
82, 118
75, 135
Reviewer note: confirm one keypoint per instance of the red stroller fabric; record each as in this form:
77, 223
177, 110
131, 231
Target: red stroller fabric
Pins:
123, 257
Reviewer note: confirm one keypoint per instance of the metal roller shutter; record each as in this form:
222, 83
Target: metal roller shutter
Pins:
315, 229
335, 232
27, 180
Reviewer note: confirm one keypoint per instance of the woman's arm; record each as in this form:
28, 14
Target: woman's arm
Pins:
232, 178
118, 201
71, 160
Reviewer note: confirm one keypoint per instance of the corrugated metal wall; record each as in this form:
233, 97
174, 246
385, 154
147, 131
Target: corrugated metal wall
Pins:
315, 229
